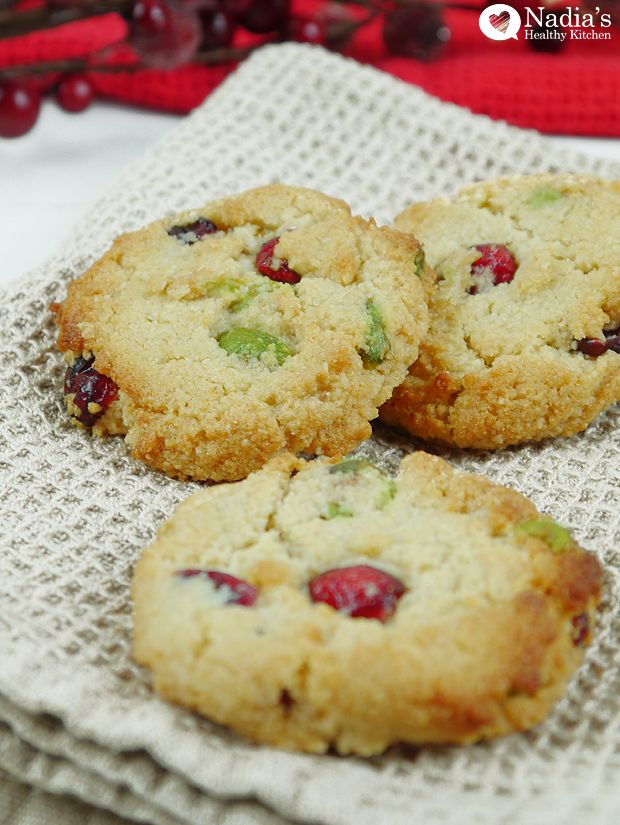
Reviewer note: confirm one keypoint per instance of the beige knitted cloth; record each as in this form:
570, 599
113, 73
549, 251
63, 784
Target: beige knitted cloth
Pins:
76, 714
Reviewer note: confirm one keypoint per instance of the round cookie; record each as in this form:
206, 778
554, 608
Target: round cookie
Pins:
267, 321
523, 342
351, 610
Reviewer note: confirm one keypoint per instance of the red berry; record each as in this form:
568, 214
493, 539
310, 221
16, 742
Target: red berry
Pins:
164, 34
150, 18
189, 233
273, 267
598, 346
360, 591
20, 102
307, 31
592, 346
234, 7
581, 628
89, 387
416, 30
239, 592
218, 28
496, 265
74, 93
265, 16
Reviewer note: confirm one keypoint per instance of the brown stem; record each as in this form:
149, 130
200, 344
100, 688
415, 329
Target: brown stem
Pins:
83, 65
16, 23
221, 56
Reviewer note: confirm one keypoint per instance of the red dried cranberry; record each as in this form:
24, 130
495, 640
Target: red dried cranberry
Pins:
273, 267
581, 628
612, 340
189, 233
239, 592
286, 700
360, 591
496, 265
598, 346
89, 387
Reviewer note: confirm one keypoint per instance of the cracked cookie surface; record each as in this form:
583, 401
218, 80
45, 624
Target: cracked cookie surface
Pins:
352, 610
267, 321
529, 352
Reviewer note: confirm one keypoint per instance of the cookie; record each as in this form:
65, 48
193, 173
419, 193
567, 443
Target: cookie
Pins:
351, 610
268, 321
524, 335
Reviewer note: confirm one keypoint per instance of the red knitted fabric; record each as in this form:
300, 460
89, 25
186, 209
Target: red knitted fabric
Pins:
576, 92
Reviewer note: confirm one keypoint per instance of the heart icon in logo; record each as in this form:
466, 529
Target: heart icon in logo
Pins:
500, 21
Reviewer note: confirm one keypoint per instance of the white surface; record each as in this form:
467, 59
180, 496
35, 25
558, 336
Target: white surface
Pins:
52, 175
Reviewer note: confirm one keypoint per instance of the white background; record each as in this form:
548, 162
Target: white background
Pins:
52, 175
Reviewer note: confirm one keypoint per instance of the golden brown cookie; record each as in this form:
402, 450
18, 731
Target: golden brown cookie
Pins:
267, 321
524, 339
352, 610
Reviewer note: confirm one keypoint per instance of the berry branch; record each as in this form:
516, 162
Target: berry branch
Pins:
168, 34
14, 23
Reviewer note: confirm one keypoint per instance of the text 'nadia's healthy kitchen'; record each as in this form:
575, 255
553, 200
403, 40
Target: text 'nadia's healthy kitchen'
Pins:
545, 24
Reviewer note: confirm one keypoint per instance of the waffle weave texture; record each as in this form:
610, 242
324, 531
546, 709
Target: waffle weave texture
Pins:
76, 714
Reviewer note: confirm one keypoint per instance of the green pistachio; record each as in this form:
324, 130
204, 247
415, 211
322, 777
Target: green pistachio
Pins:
337, 510
221, 287
377, 342
544, 196
357, 466
555, 537
252, 343
418, 262
387, 493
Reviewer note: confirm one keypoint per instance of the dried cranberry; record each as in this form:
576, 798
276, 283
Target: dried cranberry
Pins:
598, 346
89, 387
496, 265
581, 628
273, 267
189, 233
360, 591
239, 592
286, 700
612, 340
